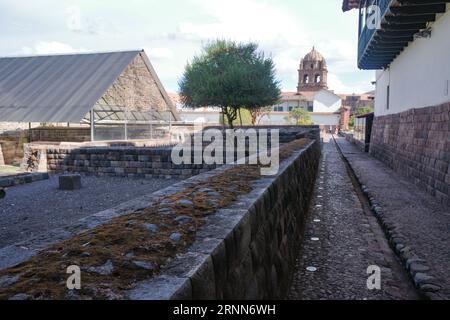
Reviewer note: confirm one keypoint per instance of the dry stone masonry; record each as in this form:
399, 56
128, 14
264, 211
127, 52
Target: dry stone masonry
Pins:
129, 162
248, 250
244, 251
416, 144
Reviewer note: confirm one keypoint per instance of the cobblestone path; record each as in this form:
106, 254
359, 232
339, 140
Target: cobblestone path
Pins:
342, 239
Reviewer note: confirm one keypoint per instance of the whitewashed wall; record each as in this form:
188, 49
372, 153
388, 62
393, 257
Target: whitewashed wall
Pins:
208, 117
326, 101
420, 76
279, 118
325, 119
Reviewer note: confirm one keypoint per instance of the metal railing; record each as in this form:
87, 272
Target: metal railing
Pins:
367, 33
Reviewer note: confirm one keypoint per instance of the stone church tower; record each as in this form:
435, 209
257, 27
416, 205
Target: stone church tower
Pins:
313, 73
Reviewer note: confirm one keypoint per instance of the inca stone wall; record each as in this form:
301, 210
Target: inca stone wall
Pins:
60, 134
127, 161
11, 149
245, 251
131, 162
416, 144
248, 250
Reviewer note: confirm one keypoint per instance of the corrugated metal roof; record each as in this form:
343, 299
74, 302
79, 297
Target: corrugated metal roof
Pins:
60, 88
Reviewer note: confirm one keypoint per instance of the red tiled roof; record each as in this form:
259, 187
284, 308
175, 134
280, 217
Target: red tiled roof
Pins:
175, 97
348, 5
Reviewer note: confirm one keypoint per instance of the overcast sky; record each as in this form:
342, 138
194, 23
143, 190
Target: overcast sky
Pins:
173, 31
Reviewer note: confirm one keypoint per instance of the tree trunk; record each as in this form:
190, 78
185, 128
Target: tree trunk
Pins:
230, 120
240, 116
231, 114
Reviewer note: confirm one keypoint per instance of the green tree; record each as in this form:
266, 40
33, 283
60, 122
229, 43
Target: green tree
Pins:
300, 117
257, 113
243, 118
230, 76
359, 112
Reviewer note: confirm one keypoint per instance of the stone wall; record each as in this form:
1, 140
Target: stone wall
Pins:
350, 137
248, 250
11, 148
60, 134
2, 159
245, 251
135, 88
416, 144
19, 179
129, 162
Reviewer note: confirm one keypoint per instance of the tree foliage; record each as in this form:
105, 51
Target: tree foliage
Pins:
300, 117
359, 112
230, 76
257, 113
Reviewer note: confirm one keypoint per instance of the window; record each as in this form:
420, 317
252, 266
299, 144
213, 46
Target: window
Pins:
317, 78
290, 108
305, 78
278, 109
388, 97
310, 107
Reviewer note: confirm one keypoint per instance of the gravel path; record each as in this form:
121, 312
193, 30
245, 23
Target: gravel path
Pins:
36, 208
341, 241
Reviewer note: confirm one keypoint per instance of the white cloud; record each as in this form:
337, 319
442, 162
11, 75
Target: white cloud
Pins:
336, 84
159, 53
285, 29
74, 19
244, 20
53, 47
77, 22
287, 64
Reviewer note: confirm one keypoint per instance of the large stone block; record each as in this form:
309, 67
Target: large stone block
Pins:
70, 182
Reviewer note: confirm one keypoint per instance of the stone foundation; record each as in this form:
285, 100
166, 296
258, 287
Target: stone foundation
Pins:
416, 144
19, 179
131, 162
11, 149
2, 159
60, 134
126, 159
246, 251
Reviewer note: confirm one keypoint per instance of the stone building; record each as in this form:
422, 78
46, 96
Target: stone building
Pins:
326, 108
323, 105
83, 97
313, 73
409, 53
357, 101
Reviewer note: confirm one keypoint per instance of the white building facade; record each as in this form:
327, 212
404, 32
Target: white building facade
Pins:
410, 51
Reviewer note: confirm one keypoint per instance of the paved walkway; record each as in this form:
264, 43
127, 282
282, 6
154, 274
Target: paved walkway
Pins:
342, 239
421, 222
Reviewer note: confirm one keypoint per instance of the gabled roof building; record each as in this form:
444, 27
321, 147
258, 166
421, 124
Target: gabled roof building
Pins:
97, 89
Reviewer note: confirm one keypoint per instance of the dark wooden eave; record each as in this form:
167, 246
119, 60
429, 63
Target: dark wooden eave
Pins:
348, 5
401, 22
